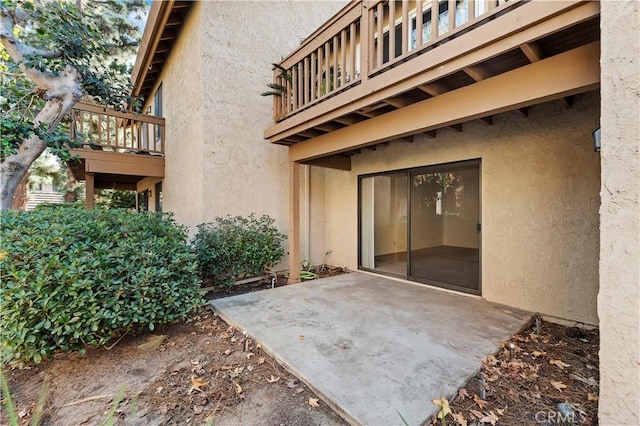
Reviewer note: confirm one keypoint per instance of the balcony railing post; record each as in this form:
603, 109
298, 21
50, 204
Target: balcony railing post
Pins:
366, 42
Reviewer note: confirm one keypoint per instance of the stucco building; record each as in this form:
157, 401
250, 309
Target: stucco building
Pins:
449, 143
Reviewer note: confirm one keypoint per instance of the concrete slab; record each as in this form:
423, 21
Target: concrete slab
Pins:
373, 347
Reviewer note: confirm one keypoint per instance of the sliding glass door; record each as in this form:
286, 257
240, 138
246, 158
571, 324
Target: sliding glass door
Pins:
423, 224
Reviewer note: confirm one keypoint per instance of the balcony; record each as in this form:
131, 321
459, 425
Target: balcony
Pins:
370, 60
118, 148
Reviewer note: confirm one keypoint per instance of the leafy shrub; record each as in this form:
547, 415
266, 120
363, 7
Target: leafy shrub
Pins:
235, 247
74, 277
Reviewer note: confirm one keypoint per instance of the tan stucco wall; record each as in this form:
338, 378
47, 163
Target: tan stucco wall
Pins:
619, 297
217, 161
183, 95
540, 180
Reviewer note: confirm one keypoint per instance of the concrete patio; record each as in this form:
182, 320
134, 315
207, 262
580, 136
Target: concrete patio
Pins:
371, 346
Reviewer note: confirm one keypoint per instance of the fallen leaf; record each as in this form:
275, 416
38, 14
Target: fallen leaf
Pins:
273, 379
462, 394
227, 352
238, 388
292, 384
443, 403
559, 364
298, 390
197, 409
234, 339
592, 397
238, 370
258, 345
481, 403
500, 411
314, 402
261, 360
250, 354
250, 367
477, 414
159, 390
538, 354
490, 418
197, 384
459, 419
559, 385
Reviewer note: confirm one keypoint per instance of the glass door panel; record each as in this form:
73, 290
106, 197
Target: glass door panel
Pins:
383, 223
445, 216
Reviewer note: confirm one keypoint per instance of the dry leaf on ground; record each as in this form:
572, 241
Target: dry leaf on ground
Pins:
462, 394
443, 403
559, 364
292, 384
197, 384
459, 419
481, 403
261, 360
592, 397
477, 414
559, 385
238, 388
490, 418
314, 402
273, 379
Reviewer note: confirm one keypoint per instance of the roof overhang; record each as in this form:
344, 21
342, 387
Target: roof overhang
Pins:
160, 34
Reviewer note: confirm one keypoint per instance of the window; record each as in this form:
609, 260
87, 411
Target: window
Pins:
143, 201
159, 196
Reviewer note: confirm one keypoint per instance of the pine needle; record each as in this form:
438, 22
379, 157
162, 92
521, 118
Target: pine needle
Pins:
153, 342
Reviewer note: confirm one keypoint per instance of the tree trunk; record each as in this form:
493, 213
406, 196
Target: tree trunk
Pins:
21, 197
61, 92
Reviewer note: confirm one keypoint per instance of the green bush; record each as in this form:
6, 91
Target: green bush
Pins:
74, 277
236, 247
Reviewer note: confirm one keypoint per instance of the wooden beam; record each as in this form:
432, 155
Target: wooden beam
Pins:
347, 120
398, 102
89, 184
532, 51
436, 88
430, 134
523, 111
338, 161
567, 102
294, 222
329, 127
530, 21
456, 127
476, 72
569, 73
487, 120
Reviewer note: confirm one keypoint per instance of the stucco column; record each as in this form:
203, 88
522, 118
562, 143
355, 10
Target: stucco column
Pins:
619, 295
294, 222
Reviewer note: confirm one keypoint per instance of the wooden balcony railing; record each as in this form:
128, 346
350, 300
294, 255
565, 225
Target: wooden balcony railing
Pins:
109, 130
368, 37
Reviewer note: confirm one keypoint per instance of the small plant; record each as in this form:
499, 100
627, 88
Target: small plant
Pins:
73, 277
231, 248
278, 89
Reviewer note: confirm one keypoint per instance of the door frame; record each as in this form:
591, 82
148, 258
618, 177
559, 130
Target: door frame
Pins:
429, 168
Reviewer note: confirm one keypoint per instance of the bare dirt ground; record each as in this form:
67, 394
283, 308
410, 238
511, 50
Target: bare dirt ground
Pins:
204, 372
527, 379
197, 373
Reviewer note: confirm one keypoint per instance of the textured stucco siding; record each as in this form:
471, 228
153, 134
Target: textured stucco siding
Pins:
182, 96
241, 172
540, 180
619, 297
217, 161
